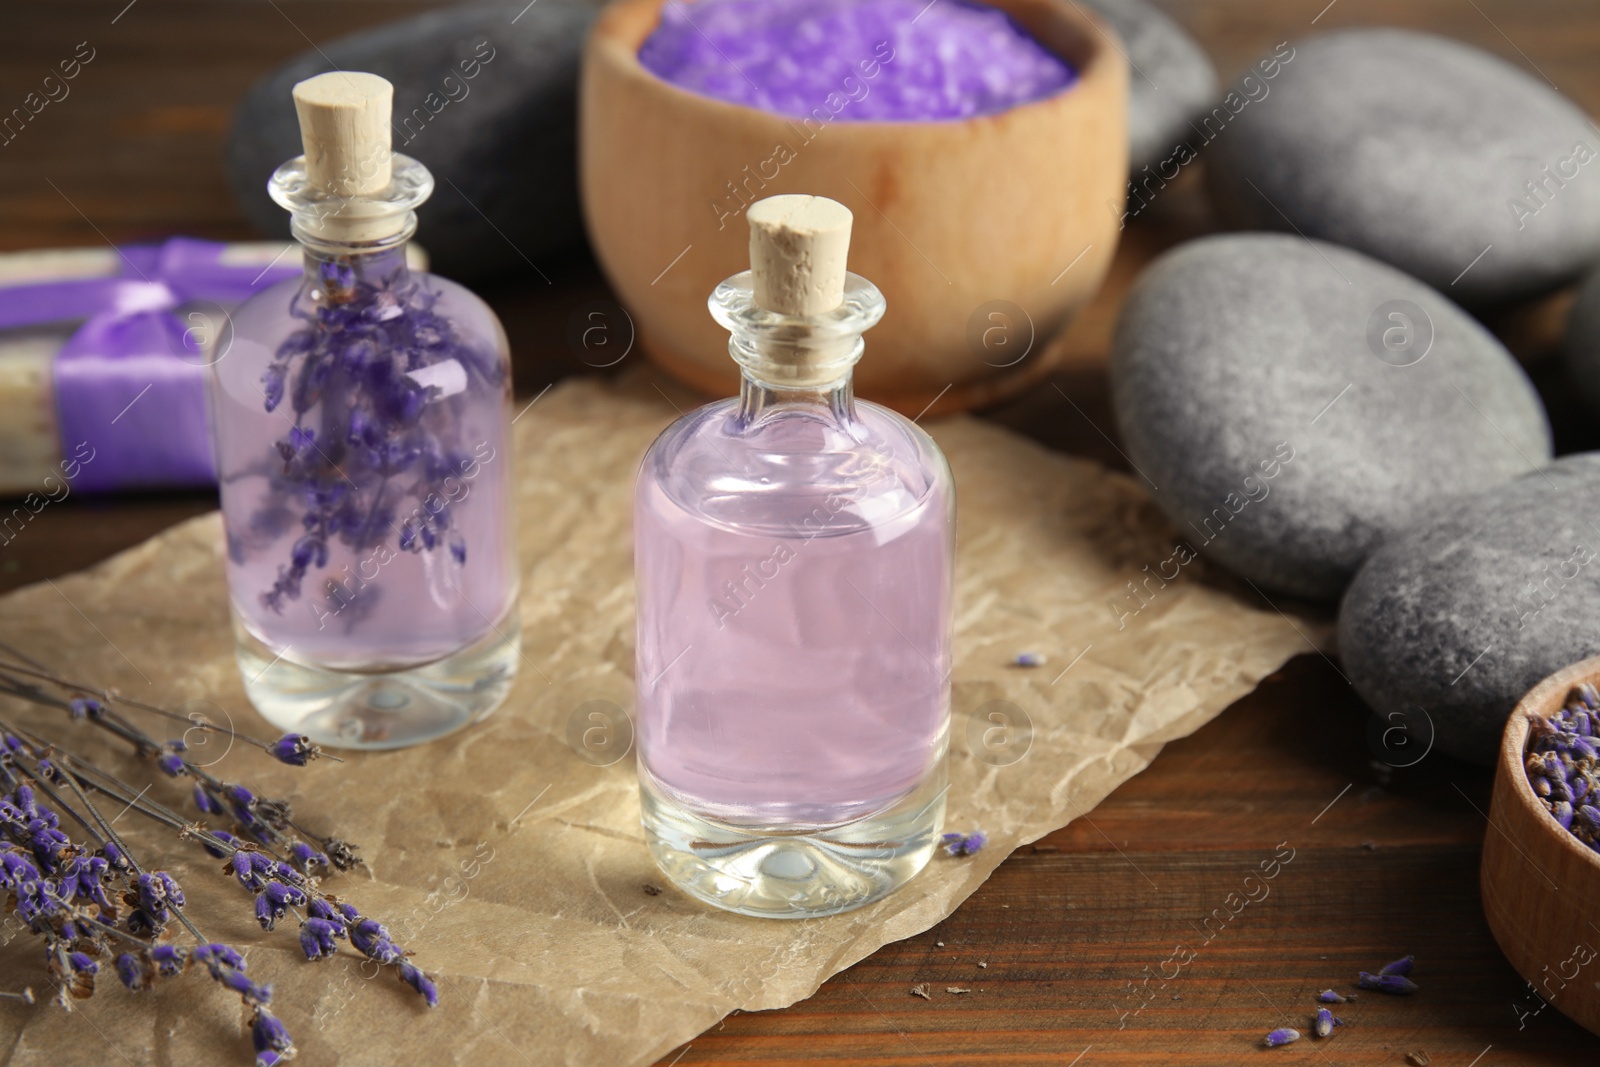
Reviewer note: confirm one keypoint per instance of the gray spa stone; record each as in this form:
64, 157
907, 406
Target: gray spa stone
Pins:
1287, 423
1425, 153
501, 143
1462, 613
1171, 79
1580, 350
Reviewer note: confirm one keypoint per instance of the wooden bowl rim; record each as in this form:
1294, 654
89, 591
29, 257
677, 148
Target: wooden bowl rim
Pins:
1540, 702
613, 42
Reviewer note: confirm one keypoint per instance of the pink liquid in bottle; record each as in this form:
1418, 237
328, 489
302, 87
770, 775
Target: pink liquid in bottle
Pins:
793, 551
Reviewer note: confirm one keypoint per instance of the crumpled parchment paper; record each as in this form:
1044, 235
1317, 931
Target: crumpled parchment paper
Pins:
509, 857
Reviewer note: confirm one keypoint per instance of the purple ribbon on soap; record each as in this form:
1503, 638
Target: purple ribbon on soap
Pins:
131, 382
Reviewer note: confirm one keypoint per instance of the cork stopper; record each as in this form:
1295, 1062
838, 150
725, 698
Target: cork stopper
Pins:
344, 126
798, 246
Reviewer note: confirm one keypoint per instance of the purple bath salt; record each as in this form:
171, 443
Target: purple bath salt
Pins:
854, 60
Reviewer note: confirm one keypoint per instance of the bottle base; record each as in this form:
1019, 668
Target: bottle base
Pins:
372, 710
776, 874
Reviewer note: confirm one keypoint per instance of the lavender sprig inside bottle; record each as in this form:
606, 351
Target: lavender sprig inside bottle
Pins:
367, 450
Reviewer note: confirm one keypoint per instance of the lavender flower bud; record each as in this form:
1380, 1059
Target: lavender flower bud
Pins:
307, 857
1541, 785
223, 836
266, 914
1587, 695
284, 896
115, 857
81, 963
957, 844
1328, 996
371, 939
1286, 1035
133, 972
293, 749
1395, 984
414, 978
269, 1034
1402, 965
85, 707
1563, 813
170, 959
172, 764
317, 938
216, 957
238, 983
1325, 1022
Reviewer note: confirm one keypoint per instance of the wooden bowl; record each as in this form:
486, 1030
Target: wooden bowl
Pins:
951, 217
1540, 884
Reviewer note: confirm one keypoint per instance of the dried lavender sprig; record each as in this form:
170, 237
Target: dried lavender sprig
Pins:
294, 749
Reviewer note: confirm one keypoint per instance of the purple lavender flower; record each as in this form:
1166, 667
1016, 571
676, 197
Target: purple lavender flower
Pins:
85, 707
307, 857
1403, 965
957, 844
170, 960
1324, 1023
242, 985
206, 802
294, 749
269, 1034
414, 978
317, 938
1394, 984
219, 958
134, 972
372, 940
1283, 1036
220, 835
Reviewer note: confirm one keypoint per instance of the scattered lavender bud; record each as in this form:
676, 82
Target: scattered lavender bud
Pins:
1328, 996
1395, 984
957, 844
1028, 659
1325, 1022
294, 749
206, 802
1284, 1036
414, 978
1402, 965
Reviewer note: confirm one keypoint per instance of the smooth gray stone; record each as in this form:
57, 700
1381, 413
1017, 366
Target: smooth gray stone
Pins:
1580, 350
1463, 613
502, 145
1417, 150
1235, 348
1171, 80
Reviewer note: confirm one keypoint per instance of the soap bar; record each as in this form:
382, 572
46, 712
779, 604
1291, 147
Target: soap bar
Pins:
31, 449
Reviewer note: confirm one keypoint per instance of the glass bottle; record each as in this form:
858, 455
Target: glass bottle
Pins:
793, 553
361, 419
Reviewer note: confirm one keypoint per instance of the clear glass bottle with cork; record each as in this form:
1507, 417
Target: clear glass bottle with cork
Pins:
793, 551
361, 415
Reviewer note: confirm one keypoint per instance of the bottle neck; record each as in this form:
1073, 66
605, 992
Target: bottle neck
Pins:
758, 397
336, 272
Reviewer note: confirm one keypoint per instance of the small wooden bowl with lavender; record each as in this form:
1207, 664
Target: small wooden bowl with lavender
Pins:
1541, 855
987, 219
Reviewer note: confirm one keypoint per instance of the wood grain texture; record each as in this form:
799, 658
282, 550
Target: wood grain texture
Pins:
1070, 925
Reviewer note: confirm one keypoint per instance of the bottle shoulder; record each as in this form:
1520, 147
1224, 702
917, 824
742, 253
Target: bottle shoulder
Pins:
781, 470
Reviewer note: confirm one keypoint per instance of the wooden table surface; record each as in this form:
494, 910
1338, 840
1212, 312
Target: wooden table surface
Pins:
1071, 949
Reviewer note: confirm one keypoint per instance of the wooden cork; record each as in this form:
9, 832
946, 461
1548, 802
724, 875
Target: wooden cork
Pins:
798, 247
344, 126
